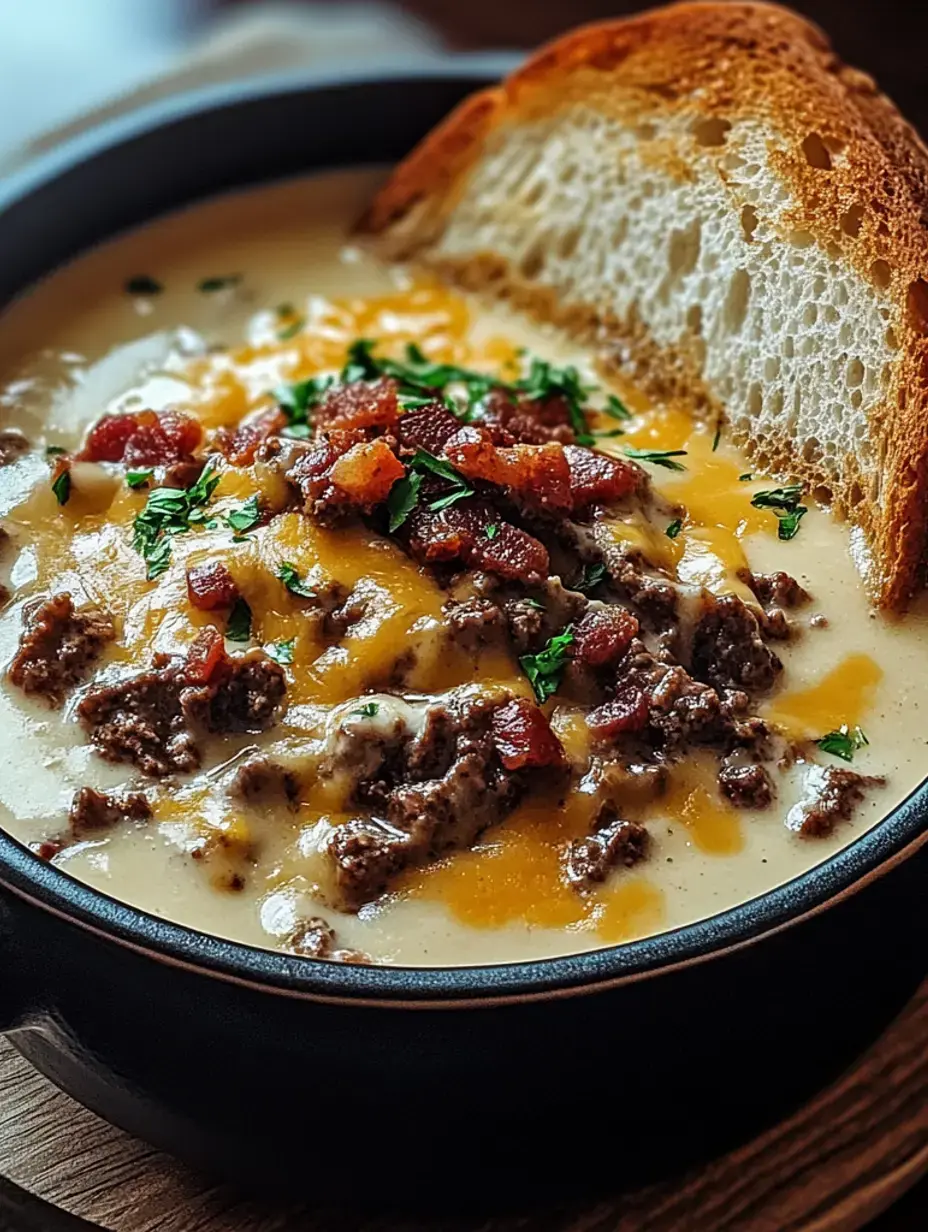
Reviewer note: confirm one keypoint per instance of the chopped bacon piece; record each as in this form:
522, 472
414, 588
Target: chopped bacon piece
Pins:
537, 473
427, 427
207, 653
142, 438
367, 472
460, 533
626, 712
524, 738
241, 444
211, 585
604, 634
525, 421
359, 405
597, 478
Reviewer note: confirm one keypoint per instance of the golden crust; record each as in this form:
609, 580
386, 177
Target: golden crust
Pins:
857, 170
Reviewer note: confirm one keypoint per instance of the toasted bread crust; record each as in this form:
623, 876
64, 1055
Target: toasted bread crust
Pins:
856, 169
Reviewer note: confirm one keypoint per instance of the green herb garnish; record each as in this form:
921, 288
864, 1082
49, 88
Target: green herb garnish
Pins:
844, 742
784, 502
54, 451
545, 381
138, 479
247, 515
290, 577
143, 284
674, 528
717, 437
238, 627
403, 498
367, 711
658, 457
747, 477
545, 670
218, 283
538, 606
492, 530
290, 330
169, 512
62, 487
593, 575
298, 399
281, 652
615, 408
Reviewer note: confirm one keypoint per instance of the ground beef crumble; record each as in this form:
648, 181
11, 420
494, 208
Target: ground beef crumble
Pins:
58, 645
746, 784
835, 792
615, 841
93, 811
13, 444
315, 938
152, 719
729, 651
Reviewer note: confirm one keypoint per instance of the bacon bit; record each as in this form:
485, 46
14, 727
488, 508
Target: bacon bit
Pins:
597, 478
460, 533
211, 585
524, 738
427, 427
241, 444
527, 422
603, 635
206, 655
537, 473
626, 712
359, 405
367, 472
142, 438
48, 849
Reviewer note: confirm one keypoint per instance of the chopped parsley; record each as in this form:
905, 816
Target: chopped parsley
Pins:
54, 451
238, 627
545, 670
747, 477
418, 378
674, 528
367, 711
844, 742
143, 284
138, 479
544, 381
218, 283
290, 577
291, 329
784, 502
403, 498
492, 530
298, 399
609, 433
615, 408
247, 515
281, 652
62, 487
717, 437
169, 512
658, 457
538, 606
404, 495
593, 576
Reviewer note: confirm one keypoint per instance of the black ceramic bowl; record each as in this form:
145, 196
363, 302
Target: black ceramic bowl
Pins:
390, 1082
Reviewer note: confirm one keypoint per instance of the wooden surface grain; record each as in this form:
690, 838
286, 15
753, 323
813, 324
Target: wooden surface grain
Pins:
834, 1166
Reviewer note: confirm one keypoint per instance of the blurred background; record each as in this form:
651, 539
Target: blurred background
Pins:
63, 59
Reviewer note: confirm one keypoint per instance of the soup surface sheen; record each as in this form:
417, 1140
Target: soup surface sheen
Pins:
260, 289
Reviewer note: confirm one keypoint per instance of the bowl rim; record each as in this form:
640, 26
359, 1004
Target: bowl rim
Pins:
889, 842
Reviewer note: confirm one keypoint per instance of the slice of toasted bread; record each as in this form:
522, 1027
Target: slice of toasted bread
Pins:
708, 194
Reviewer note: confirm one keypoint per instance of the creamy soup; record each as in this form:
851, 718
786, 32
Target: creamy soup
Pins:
571, 811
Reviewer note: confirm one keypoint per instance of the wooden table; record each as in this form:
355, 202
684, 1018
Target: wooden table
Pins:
833, 1167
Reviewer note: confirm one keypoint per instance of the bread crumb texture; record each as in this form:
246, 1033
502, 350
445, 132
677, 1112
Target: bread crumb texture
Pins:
708, 195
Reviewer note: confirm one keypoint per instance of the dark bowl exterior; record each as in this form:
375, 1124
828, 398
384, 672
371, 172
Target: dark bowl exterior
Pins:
598, 1068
